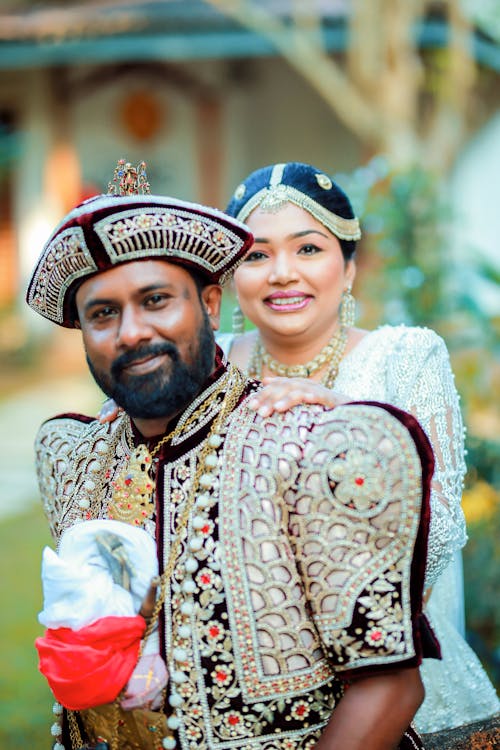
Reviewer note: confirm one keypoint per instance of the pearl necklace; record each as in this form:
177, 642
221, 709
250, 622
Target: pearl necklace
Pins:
331, 355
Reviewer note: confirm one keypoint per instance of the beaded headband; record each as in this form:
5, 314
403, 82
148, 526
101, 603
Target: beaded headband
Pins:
272, 187
124, 226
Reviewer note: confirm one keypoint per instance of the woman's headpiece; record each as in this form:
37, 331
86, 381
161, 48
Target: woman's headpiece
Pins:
270, 188
124, 226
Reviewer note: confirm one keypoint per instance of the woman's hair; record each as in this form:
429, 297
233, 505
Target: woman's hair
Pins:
273, 186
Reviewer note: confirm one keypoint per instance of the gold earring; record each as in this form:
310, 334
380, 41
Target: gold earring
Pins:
238, 321
347, 313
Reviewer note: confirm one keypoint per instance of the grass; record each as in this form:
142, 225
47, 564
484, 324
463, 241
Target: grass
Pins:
25, 699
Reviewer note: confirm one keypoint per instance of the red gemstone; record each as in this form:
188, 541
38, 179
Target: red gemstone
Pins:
359, 481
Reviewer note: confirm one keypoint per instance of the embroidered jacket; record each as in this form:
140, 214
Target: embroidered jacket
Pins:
302, 568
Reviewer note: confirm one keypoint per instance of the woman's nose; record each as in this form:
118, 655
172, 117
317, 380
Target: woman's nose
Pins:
283, 269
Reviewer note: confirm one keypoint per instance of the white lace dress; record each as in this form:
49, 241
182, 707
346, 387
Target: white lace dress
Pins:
410, 368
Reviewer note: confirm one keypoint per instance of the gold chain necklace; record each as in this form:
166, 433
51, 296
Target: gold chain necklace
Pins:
132, 500
331, 355
213, 440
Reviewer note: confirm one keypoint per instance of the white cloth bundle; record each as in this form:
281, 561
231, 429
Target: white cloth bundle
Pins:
78, 583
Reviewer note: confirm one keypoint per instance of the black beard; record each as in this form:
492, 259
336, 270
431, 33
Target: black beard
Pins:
167, 390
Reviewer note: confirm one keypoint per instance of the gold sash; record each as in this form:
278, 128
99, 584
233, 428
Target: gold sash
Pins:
139, 729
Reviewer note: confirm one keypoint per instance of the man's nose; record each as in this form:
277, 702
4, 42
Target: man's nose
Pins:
134, 328
283, 270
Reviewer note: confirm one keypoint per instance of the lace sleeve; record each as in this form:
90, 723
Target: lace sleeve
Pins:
432, 398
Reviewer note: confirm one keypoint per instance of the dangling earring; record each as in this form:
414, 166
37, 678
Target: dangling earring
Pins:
238, 321
347, 313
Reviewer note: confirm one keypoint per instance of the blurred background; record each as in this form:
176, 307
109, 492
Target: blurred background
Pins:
398, 101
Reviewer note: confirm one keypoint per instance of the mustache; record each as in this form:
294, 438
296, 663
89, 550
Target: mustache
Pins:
153, 350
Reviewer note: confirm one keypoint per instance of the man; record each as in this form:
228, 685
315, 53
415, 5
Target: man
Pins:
291, 548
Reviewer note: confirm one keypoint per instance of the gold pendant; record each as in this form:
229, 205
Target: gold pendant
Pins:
132, 500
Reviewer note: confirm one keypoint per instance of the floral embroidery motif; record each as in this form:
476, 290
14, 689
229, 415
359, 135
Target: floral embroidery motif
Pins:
358, 480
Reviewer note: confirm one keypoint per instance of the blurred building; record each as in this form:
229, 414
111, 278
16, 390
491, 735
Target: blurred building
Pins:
201, 98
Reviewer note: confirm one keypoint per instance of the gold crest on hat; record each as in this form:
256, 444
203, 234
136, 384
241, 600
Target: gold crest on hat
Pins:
129, 180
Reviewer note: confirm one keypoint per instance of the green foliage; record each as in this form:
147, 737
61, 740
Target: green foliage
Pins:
25, 700
412, 275
482, 590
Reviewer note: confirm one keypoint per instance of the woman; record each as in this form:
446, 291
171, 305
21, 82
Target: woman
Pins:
295, 286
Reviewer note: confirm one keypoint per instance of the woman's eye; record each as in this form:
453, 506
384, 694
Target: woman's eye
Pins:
255, 255
310, 249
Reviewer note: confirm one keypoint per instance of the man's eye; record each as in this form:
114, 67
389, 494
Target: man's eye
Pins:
155, 299
255, 255
102, 313
310, 249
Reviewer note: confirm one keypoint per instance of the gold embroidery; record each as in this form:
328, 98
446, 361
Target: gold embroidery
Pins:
167, 232
67, 257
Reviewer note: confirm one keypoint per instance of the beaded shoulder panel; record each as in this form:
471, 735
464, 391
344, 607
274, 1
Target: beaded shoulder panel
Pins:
409, 367
327, 514
74, 461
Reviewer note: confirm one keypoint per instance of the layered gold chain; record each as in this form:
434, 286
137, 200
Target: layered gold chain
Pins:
133, 489
330, 355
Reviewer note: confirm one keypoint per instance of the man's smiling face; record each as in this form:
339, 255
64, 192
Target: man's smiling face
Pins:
148, 335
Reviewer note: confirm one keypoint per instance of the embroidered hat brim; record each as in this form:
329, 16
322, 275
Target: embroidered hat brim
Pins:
108, 230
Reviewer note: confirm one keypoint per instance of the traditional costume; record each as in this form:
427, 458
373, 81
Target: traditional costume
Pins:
291, 548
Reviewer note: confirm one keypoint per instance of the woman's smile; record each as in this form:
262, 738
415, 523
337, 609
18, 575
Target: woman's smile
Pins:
291, 301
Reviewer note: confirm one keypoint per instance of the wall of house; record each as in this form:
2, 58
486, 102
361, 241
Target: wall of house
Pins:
275, 116
200, 128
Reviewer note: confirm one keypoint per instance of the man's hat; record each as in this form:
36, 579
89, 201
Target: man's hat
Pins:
125, 226
273, 186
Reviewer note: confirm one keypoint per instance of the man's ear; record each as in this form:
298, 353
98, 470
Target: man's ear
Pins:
211, 296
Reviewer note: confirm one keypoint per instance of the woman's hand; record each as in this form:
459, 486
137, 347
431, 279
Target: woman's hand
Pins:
109, 411
280, 394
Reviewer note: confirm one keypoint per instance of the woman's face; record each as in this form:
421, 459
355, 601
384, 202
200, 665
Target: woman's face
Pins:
292, 279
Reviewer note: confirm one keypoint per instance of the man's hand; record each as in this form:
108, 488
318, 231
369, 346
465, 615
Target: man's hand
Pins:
374, 712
